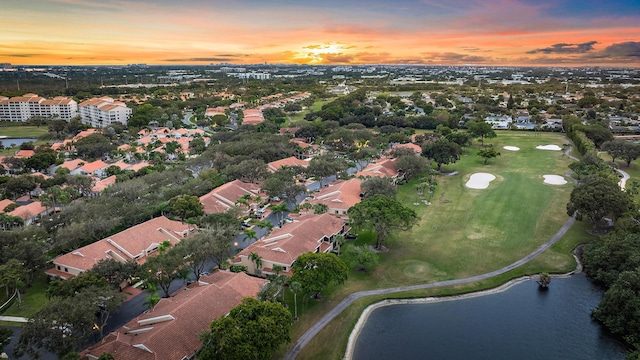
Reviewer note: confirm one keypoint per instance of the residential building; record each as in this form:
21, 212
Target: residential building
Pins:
22, 108
103, 111
226, 196
307, 233
170, 330
31, 212
383, 167
132, 244
288, 162
96, 168
339, 196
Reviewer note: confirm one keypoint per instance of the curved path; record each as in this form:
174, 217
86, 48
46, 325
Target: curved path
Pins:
315, 329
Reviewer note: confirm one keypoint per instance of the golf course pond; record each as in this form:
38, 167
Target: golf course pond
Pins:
522, 322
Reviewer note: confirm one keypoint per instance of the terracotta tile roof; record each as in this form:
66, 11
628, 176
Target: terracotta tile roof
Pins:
170, 331
93, 166
284, 245
73, 164
121, 164
29, 211
60, 145
4, 203
23, 154
103, 184
85, 133
138, 166
225, 196
131, 244
383, 167
416, 148
290, 161
339, 195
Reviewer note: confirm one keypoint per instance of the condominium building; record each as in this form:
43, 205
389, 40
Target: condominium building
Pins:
104, 111
22, 108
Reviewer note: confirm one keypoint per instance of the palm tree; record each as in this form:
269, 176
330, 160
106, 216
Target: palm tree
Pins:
251, 234
280, 209
320, 208
265, 224
339, 240
257, 261
295, 287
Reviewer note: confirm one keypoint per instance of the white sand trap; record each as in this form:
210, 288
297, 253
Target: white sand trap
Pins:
511, 148
549, 147
554, 179
480, 181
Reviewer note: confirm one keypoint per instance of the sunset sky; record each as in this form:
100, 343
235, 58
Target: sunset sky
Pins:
501, 32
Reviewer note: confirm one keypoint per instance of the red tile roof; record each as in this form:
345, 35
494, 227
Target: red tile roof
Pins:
284, 245
170, 331
29, 211
132, 244
225, 196
93, 166
4, 203
340, 194
73, 164
290, 161
383, 167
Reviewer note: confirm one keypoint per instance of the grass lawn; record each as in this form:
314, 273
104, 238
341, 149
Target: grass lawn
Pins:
22, 131
317, 106
33, 299
466, 232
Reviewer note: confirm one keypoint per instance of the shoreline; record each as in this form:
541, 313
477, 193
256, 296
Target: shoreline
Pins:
364, 316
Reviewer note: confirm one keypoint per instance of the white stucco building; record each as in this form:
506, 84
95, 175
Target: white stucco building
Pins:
22, 108
103, 111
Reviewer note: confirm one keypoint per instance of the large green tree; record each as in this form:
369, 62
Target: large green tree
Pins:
162, 269
67, 322
441, 151
378, 186
481, 130
326, 165
596, 198
251, 330
383, 215
619, 309
210, 244
185, 206
314, 271
94, 146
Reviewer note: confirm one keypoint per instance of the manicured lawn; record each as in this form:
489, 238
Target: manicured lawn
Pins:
466, 232
317, 106
33, 299
22, 131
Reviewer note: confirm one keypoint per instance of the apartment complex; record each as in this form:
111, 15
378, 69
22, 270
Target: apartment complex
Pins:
103, 111
22, 108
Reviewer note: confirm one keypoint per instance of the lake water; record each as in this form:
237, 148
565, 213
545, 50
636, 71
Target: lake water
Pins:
6, 142
519, 323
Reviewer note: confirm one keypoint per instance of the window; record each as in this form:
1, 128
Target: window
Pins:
66, 270
59, 267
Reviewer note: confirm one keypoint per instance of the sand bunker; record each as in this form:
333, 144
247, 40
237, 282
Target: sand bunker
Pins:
554, 179
511, 148
549, 147
480, 181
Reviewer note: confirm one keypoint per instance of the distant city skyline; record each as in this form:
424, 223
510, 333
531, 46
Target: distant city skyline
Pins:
347, 32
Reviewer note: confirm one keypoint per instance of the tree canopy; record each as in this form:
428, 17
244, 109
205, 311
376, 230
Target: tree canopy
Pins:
442, 151
251, 330
382, 214
597, 197
314, 271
